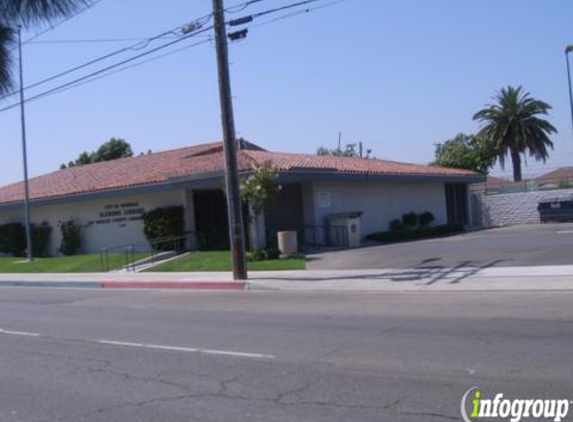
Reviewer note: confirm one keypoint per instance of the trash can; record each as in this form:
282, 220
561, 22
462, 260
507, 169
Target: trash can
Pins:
345, 229
288, 243
558, 211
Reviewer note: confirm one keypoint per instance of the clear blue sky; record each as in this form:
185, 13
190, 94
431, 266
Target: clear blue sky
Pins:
398, 75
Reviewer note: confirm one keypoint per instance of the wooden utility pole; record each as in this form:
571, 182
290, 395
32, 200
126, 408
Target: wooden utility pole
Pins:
236, 227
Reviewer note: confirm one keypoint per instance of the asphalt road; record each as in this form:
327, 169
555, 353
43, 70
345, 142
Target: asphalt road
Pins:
531, 245
127, 356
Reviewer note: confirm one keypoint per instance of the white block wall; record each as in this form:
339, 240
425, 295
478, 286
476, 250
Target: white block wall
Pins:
381, 202
512, 208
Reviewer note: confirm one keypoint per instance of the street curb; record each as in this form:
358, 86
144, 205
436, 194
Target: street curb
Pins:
187, 285
201, 285
72, 284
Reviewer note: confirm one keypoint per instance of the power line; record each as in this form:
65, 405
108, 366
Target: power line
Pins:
250, 18
101, 73
143, 44
52, 27
241, 7
298, 12
105, 75
134, 47
98, 72
94, 40
288, 6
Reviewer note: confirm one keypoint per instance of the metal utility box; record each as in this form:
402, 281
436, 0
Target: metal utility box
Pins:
558, 211
345, 229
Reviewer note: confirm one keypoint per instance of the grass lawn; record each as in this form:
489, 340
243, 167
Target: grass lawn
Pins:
63, 264
221, 261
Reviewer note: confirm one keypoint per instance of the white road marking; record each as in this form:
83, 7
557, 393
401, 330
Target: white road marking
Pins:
157, 346
187, 349
564, 232
19, 333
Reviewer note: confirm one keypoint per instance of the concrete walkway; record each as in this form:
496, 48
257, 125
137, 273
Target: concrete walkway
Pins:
540, 278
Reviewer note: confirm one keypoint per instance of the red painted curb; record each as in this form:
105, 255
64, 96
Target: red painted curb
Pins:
205, 285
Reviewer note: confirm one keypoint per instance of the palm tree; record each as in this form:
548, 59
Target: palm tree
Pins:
514, 127
27, 13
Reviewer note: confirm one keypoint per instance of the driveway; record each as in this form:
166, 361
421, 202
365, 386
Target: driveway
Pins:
531, 245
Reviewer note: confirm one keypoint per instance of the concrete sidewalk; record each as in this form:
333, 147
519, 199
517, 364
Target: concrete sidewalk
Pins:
546, 278
542, 278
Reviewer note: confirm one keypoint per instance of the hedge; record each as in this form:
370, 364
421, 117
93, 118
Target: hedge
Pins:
414, 234
71, 237
13, 239
162, 223
41, 235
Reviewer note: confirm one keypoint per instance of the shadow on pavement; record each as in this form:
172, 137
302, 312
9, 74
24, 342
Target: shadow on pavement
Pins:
420, 272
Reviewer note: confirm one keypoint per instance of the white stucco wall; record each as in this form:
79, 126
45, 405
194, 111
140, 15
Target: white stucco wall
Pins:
381, 202
106, 222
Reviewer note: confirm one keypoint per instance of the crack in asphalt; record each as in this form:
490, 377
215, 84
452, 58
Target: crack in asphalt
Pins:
433, 415
221, 393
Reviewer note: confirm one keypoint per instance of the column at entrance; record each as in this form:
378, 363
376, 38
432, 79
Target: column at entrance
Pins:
257, 235
189, 204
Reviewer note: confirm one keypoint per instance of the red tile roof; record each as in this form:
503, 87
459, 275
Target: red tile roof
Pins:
160, 167
286, 162
563, 173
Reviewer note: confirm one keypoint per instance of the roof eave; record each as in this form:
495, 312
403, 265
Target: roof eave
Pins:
213, 180
322, 175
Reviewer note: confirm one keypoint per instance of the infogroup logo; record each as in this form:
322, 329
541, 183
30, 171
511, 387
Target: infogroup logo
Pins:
513, 410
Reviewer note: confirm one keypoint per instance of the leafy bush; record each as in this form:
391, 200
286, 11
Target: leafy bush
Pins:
426, 219
295, 256
12, 239
263, 254
164, 222
420, 233
257, 255
396, 225
260, 188
410, 219
41, 235
273, 253
71, 237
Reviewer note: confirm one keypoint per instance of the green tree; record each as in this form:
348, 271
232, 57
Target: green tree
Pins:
111, 150
350, 150
6, 40
468, 152
71, 237
259, 190
163, 223
27, 13
514, 126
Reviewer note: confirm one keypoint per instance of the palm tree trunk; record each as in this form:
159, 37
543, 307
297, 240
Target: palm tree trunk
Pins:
516, 159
